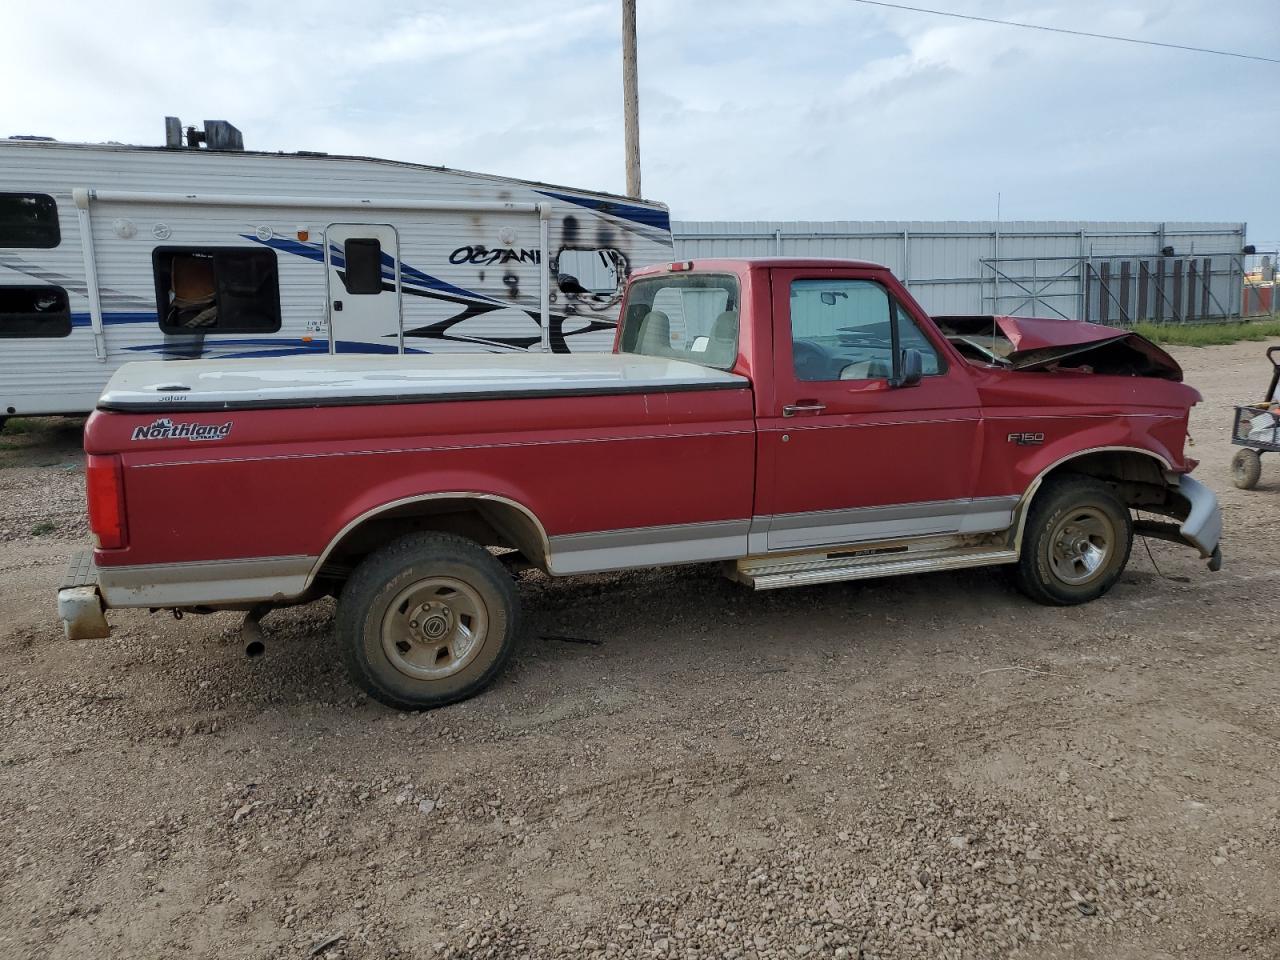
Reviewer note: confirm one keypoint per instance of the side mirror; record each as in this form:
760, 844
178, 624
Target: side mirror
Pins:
911, 369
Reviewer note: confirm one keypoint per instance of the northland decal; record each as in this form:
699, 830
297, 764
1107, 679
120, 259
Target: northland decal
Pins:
166, 429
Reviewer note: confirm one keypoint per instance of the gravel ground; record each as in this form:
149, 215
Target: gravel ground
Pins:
672, 767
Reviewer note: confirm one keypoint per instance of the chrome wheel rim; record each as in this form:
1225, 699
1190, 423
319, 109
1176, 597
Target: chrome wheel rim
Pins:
1081, 544
434, 627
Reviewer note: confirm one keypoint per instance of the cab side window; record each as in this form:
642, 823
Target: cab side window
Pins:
911, 337
851, 330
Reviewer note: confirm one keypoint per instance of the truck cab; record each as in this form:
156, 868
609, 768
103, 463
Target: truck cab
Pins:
872, 422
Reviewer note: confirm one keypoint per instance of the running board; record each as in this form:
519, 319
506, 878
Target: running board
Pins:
859, 563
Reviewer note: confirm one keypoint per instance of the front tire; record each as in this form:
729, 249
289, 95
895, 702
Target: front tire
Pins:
428, 620
1076, 542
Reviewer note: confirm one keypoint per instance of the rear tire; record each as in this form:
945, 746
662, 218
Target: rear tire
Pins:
428, 620
1076, 542
1246, 468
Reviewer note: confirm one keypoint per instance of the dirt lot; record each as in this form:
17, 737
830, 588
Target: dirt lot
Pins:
925, 767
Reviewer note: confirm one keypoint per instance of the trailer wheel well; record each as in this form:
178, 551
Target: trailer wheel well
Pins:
488, 521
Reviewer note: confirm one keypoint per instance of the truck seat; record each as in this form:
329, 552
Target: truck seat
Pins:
655, 335
722, 350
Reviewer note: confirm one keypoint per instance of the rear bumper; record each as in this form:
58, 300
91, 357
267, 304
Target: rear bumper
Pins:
1202, 527
80, 605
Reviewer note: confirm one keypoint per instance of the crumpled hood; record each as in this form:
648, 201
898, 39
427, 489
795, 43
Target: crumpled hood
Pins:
1039, 343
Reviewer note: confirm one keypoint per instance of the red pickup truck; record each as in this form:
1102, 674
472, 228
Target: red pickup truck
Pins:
799, 421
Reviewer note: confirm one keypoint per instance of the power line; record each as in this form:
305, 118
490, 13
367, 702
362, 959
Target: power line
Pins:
1074, 33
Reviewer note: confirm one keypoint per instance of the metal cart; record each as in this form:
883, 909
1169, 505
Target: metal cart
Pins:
1253, 437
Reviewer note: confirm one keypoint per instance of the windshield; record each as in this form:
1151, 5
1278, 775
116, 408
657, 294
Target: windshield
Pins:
683, 317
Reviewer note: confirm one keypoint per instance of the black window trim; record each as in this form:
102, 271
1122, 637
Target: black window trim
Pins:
162, 288
54, 223
63, 329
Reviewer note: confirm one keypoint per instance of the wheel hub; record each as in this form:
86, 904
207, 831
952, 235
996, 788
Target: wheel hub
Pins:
433, 628
1081, 545
431, 621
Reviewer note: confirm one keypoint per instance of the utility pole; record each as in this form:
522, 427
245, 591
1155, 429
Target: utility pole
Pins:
630, 98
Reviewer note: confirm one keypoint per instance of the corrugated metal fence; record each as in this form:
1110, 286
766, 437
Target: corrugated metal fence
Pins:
1103, 271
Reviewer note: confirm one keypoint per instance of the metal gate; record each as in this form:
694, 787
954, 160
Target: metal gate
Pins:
1121, 289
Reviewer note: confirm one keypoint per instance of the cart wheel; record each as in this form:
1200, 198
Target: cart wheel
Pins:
1246, 468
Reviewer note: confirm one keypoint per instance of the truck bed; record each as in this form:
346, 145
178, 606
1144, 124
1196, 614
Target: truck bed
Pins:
200, 385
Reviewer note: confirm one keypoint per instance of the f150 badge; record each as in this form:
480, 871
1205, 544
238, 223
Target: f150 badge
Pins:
1026, 439
166, 429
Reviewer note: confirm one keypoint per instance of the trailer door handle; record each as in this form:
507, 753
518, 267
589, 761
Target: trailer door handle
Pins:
803, 406
337, 305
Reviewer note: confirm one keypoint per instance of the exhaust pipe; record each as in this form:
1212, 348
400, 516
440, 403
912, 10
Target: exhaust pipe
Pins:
251, 635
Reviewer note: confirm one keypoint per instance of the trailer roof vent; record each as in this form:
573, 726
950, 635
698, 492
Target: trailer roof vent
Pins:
216, 135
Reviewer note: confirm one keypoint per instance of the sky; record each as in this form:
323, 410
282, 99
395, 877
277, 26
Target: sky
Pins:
749, 109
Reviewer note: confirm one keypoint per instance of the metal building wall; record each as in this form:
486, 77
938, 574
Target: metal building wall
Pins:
1074, 269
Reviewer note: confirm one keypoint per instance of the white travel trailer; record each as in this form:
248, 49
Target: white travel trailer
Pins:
114, 253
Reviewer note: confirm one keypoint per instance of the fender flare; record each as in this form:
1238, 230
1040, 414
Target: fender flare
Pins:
1021, 511
374, 512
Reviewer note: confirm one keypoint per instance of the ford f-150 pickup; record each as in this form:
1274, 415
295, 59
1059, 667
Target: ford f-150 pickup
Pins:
800, 421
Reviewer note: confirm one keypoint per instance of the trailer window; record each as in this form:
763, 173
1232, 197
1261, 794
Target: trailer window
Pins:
594, 274
29, 220
217, 290
35, 311
363, 273
683, 317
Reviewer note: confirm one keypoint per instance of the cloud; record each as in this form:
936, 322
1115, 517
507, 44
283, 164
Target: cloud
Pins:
750, 109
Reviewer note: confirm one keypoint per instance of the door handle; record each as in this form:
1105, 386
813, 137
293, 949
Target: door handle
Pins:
804, 406
337, 305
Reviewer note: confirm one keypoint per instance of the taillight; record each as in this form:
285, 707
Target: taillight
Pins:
104, 482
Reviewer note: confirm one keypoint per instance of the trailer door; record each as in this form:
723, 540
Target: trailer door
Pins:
362, 262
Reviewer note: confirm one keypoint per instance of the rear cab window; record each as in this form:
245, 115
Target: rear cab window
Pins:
683, 316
